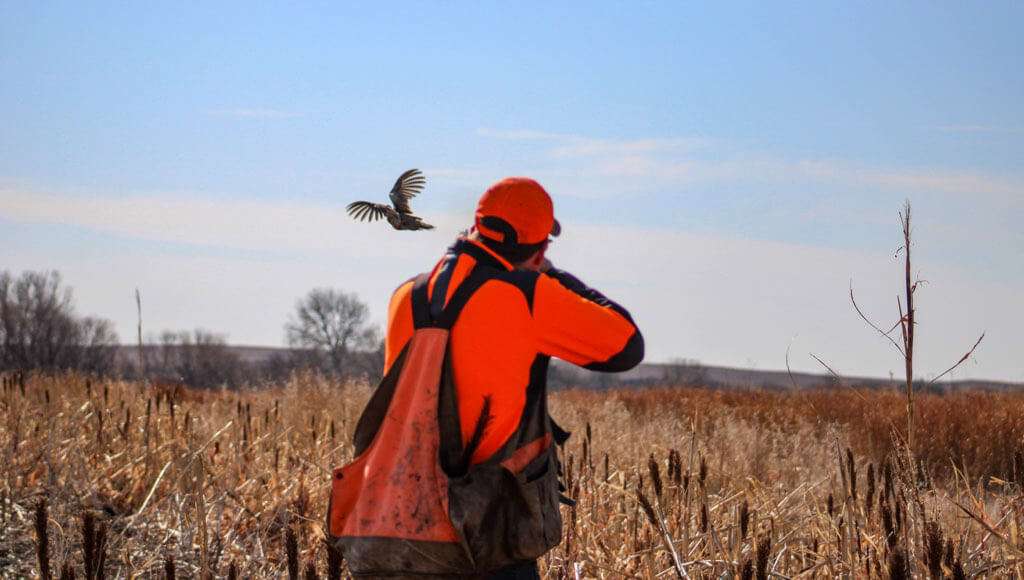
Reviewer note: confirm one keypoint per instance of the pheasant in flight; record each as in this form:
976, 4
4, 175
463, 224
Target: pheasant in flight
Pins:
398, 214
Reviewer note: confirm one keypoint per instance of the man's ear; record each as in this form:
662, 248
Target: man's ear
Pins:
538, 258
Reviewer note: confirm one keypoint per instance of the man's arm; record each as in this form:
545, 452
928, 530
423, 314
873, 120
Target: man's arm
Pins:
580, 325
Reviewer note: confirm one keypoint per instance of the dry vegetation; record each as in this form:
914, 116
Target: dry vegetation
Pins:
137, 480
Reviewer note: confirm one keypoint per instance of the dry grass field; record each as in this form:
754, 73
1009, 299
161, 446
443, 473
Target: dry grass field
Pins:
672, 482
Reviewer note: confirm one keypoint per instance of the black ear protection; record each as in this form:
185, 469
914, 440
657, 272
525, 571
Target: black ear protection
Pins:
509, 246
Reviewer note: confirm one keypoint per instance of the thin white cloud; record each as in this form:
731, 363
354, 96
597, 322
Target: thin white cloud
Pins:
244, 224
729, 300
911, 179
602, 167
254, 113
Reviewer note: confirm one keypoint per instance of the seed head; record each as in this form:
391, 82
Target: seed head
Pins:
744, 519
764, 550
655, 470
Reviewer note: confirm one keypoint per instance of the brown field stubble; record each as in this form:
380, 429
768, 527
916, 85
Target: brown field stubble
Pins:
668, 481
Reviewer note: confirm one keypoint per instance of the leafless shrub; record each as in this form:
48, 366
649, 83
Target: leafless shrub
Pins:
684, 371
199, 359
40, 330
328, 326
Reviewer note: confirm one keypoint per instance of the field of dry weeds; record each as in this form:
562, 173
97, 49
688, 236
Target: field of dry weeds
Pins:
123, 480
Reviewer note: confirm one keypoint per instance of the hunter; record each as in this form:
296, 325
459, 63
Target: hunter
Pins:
502, 311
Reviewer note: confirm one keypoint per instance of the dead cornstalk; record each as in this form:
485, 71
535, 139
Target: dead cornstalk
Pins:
907, 325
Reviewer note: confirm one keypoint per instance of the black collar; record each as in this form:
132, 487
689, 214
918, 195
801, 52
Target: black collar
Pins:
482, 256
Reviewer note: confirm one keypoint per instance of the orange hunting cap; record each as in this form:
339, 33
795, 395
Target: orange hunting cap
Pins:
516, 210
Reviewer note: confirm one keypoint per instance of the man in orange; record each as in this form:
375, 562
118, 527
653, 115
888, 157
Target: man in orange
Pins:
525, 312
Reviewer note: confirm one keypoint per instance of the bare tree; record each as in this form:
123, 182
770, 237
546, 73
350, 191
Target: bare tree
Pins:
371, 362
332, 325
906, 324
198, 359
685, 371
40, 330
97, 345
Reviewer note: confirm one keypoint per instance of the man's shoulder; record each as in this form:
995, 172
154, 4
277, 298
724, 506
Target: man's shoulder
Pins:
404, 289
525, 281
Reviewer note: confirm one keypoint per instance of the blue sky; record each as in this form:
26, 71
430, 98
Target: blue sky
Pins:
728, 168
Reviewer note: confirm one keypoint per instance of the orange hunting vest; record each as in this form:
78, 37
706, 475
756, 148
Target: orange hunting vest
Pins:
508, 331
411, 504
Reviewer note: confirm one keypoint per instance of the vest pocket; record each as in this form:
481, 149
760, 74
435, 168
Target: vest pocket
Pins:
538, 484
506, 517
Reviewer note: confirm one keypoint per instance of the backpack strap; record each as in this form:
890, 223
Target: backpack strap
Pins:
441, 282
453, 454
477, 277
432, 312
421, 302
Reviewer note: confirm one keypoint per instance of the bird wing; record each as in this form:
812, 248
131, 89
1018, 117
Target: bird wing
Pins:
406, 187
367, 211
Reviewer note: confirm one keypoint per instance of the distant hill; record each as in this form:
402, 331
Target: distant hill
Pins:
654, 374
658, 374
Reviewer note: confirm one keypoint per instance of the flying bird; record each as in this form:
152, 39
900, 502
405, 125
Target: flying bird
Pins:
398, 214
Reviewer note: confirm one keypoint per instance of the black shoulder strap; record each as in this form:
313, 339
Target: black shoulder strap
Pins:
425, 316
421, 302
441, 281
477, 277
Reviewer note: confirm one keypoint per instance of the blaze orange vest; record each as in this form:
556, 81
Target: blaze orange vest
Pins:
411, 502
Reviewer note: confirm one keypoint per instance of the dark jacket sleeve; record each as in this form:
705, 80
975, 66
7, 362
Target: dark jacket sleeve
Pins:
580, 325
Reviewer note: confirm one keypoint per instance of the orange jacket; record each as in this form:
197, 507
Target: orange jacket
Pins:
503, 340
